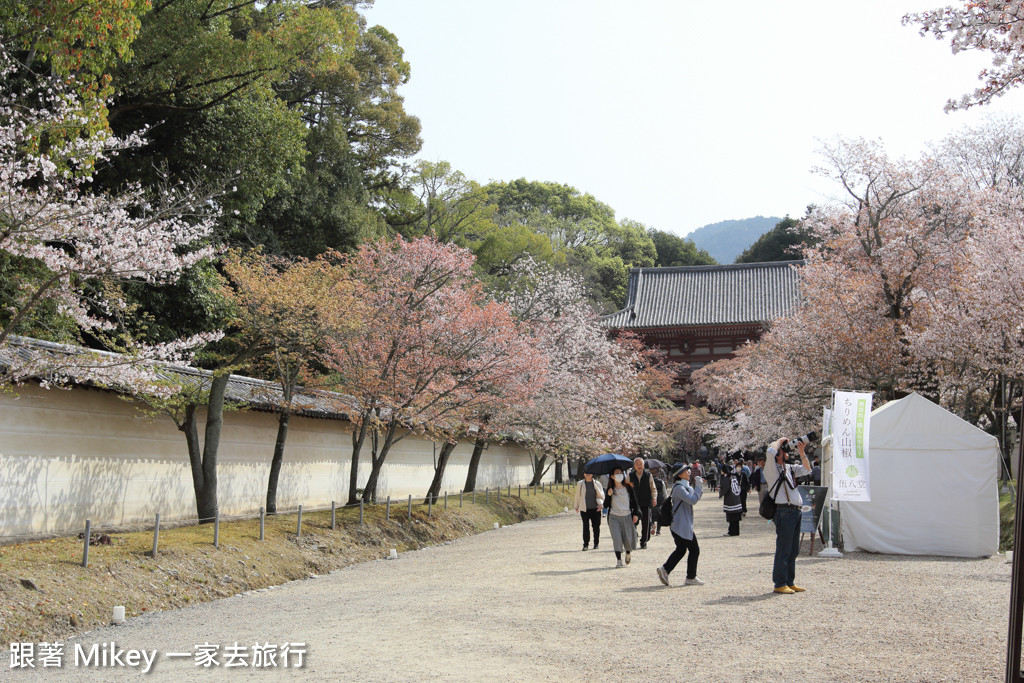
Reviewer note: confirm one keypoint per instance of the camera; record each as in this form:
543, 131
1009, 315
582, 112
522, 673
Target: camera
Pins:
790, 446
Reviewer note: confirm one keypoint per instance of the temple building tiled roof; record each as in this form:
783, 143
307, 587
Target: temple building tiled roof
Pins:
688, 296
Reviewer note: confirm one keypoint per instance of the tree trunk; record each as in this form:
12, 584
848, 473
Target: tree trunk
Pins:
442, 461
377, 461
195, 451
474, 463
538, 469
203, 459
275, 463
358, 437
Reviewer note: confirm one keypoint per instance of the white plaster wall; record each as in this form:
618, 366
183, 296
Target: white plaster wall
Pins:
68, 456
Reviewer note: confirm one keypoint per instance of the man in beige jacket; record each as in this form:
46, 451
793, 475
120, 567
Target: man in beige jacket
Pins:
589, 503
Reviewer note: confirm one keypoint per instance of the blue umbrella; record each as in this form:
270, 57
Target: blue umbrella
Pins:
604, 464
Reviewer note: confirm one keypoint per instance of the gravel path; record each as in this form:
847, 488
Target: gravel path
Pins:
523, 603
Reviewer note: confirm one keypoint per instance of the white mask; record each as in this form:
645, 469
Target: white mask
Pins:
617, 477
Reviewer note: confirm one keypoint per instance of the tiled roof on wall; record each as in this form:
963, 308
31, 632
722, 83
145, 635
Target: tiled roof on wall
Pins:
708, 295
253, 393
256, 394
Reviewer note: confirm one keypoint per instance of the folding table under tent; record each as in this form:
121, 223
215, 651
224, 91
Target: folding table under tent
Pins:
933, 485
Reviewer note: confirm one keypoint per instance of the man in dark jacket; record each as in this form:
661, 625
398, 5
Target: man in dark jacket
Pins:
740, 471
757, 480
646, 495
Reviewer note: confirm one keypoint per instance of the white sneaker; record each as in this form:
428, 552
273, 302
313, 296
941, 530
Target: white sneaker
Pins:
663, 575
619, 564
694, 582
628, 558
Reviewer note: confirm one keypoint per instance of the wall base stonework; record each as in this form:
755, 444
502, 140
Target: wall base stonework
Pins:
77, 454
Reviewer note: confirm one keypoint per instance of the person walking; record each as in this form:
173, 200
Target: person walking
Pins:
757, 481
642, 483
659, 486
623, 513
589, 501
684, 497
782, 488
713, 476
743, 475
729, 492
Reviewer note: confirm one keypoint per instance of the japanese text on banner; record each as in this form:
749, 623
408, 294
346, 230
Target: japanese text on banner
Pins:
851, 421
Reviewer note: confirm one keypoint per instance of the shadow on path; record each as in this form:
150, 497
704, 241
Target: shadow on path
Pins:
653, 588
570, 572
560, 552
742, 599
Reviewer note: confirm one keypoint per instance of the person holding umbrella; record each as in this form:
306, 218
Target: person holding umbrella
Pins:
601, 467
623, 513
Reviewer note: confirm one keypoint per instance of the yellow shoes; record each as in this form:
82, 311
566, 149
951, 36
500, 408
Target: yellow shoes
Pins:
797, 589
784, 589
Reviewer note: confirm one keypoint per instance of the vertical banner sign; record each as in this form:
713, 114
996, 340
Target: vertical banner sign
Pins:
851, 417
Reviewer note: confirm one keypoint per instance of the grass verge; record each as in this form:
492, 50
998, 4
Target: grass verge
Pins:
47, 595
1006, 514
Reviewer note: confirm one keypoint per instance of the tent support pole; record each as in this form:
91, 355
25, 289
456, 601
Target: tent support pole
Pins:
1013, 645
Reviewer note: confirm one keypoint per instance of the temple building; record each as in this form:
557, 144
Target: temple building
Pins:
699, 314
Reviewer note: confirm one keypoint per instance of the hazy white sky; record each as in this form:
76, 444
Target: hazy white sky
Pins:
675, 113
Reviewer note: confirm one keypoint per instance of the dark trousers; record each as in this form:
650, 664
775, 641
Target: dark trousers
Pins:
787, 545
734, 522
682, 545
743, 499
645, 524
594, 519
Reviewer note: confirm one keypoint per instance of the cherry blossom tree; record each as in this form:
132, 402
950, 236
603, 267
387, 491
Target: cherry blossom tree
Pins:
901, 235
434, 347
995, 26
987, 156
590, 401
503, 368
77, 245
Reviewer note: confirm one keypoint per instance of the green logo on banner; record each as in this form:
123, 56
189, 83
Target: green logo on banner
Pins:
862, 407
852, 471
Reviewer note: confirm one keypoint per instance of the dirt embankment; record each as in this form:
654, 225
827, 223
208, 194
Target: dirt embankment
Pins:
45, 593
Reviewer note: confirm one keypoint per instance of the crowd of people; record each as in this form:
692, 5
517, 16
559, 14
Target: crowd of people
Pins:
632, 501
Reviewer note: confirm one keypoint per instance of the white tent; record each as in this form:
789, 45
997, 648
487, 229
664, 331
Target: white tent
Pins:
933, 485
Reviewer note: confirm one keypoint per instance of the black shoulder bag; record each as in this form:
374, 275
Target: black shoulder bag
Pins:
768, 505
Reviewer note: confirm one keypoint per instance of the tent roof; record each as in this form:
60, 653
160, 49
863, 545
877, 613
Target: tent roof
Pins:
915, 423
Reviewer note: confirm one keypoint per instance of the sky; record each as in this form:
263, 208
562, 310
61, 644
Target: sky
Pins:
675, 113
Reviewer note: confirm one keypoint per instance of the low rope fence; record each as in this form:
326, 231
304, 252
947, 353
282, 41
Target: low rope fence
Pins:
393, 510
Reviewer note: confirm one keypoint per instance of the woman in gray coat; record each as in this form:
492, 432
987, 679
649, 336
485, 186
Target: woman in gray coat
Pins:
684, 497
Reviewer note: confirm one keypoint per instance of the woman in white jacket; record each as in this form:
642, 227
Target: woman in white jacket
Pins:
589, 502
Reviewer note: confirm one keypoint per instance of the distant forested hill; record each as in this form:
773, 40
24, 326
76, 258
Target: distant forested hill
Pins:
726, 240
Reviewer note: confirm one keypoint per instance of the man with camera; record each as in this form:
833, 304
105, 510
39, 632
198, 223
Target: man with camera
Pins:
780, 478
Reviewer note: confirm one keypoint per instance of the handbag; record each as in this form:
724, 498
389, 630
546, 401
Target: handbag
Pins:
768, 505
